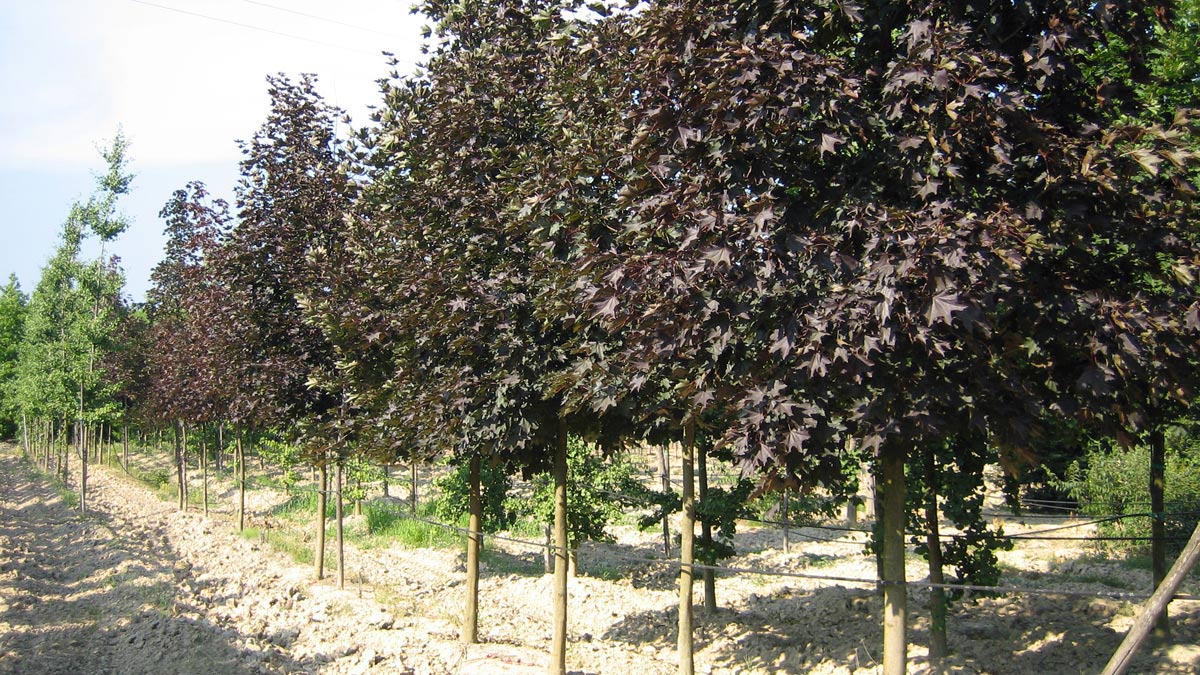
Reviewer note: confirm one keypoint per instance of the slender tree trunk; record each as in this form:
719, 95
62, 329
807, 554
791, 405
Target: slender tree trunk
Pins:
470, 627
895, 597
687, 552
322, 505
125, 445
183, 467
1158, 529
558, 645
25, 434
338, 514
220, 444
387, 473
179, 465
81, 440
787, 527
933, 542
664, 472
548, 557
204, 471
706, 539
241, 468
414, 476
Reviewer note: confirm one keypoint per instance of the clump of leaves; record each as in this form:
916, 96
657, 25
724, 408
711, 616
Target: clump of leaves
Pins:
453, 499
598, 492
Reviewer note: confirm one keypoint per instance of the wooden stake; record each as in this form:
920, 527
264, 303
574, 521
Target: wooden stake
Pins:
1156, 605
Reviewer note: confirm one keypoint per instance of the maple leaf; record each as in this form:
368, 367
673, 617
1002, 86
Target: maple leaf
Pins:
942, 306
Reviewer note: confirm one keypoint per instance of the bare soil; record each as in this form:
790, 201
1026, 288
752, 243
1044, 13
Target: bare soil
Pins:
137, 587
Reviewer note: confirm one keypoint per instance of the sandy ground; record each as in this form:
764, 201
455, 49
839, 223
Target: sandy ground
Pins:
137, 587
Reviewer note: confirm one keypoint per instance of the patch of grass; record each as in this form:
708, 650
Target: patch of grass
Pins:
503, 564
303, 506
412, 533
819, 561
387, 524
286, 542
1101, 579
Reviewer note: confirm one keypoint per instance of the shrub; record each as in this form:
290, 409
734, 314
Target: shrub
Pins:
453, 496
1111, 481
598, 491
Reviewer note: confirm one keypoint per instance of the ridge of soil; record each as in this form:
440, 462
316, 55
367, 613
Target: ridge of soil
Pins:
137, 587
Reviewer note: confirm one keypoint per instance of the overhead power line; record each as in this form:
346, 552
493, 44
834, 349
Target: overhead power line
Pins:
251, 27
322, 18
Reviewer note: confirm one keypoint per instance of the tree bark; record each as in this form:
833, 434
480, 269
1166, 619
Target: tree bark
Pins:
470, 627
1158, 527
204, 471
338, 526
787, 526
933, 542
709, 578
125, 445
183, 467
1156, 605
322, 505
895, 596
241, 468
178, 466
558, 645
664, 471
687, 552
412, 490
220, 444
81, 444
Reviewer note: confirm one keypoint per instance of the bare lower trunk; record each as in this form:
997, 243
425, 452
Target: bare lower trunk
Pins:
241, 469
81, 441
470, 626
558, 644
664, 472
1158, 529
937, 595
895, 596
204, 472
322, 505
687, 553
706, 538
339, 514
412, 488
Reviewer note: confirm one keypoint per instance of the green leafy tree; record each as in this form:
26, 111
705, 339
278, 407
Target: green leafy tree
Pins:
12, 322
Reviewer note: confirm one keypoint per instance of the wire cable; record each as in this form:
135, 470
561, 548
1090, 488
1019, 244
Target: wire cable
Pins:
321, 18
252, 27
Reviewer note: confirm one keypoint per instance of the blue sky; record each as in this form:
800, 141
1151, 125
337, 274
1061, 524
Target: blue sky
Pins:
184, 79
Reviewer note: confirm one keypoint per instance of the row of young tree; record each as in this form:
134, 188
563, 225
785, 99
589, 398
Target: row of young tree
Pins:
813, 235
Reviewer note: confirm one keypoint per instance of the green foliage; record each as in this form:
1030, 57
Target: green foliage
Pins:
452, 502
959, 465
1113, 481
598, 492
284, 456
12, 324
721, 508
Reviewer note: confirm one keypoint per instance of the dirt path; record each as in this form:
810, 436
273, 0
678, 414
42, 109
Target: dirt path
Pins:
137, 588
94, 595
